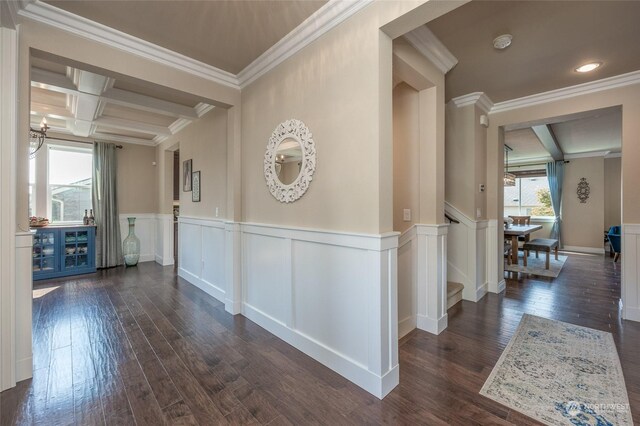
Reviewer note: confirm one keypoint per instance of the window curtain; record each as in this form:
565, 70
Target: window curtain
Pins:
105, 206
555, 175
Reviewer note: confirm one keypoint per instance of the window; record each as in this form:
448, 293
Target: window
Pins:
69, 183
530, 197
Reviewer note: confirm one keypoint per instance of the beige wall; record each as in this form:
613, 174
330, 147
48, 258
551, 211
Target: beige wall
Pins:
466, 160
205, 142
136, 179
406, 139
583, 223
612, 192
459, 158
331, 86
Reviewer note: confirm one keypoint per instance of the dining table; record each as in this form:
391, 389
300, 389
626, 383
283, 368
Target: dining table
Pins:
515, 231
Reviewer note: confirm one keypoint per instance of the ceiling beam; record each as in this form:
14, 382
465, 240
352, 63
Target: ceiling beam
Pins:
59, 83
549, 141
147, 103
134, 126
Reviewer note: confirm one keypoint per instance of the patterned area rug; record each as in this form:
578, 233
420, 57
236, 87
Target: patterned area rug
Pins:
561, 374
536, 266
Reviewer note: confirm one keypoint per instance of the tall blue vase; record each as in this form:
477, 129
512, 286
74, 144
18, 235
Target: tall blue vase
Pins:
131, 245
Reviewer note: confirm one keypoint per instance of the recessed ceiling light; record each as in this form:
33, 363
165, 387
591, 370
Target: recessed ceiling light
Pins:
502, 41
588, 67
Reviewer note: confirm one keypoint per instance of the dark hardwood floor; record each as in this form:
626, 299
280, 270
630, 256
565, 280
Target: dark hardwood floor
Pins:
140, 346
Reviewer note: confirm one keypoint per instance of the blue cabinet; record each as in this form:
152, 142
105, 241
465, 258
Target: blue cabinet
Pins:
60, 251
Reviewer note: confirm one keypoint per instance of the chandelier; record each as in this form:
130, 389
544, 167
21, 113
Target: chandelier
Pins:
509, 178
37, 137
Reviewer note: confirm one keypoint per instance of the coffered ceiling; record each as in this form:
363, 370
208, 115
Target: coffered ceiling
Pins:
550, 39
83, 102
591, 133
227, 34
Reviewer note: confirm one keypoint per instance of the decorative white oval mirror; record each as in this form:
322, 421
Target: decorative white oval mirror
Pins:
290, 161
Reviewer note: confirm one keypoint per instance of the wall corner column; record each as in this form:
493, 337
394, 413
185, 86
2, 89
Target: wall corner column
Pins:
432, 277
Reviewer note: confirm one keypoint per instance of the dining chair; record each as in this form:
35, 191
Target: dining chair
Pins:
522, 221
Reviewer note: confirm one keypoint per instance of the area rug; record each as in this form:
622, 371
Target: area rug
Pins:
536, 266
561, 374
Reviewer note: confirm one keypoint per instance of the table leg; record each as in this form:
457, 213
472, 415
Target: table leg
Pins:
514, 248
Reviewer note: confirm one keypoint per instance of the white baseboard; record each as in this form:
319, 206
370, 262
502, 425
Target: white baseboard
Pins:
591, 250
24, 369
482, 291
203, 285
147, 258
355, 372
502, 285
160, 260
631, 314
406, 326
431, 325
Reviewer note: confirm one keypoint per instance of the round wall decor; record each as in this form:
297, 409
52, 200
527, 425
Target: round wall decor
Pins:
583, 190
289, 161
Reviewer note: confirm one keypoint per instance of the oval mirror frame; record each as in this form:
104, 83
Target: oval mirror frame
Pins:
290, 129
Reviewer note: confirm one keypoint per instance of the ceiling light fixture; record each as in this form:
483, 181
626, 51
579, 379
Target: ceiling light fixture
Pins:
509, 178
588, 67
502, 41
37, 138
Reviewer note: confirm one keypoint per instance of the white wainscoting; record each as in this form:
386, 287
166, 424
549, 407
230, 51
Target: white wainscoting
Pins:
331, 295
431, 277
24, 302
146, 230
164, 239
467, 259
630, 259
202, 254
407, 282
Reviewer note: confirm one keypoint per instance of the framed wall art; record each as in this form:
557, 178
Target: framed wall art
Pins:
186, 175
195, 193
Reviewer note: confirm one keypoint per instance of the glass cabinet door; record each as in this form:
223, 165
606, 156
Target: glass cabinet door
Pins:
44, 251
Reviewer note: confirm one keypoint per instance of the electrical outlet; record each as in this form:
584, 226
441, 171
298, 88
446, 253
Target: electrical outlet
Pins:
406, 215
482, 187
478, 213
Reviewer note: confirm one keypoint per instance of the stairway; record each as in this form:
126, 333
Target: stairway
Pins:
454, 293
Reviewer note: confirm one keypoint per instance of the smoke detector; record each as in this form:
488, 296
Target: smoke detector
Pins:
502, 41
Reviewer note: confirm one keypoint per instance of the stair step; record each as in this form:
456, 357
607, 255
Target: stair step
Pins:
454, 293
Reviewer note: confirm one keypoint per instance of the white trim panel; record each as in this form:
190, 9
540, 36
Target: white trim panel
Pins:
24, 305
332, 295
432, 277
630, 259
201, 254
467, 254
407, 282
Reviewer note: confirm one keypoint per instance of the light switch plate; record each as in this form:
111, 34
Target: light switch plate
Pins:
406, 215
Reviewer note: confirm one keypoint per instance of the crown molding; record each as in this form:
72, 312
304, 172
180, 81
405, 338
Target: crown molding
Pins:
569, 92
83, 27
202, 108
432, 48
479, 99
322, 21
613, 155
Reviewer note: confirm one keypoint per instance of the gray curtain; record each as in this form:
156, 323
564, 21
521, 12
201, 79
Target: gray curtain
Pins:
105, 206
555, 174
